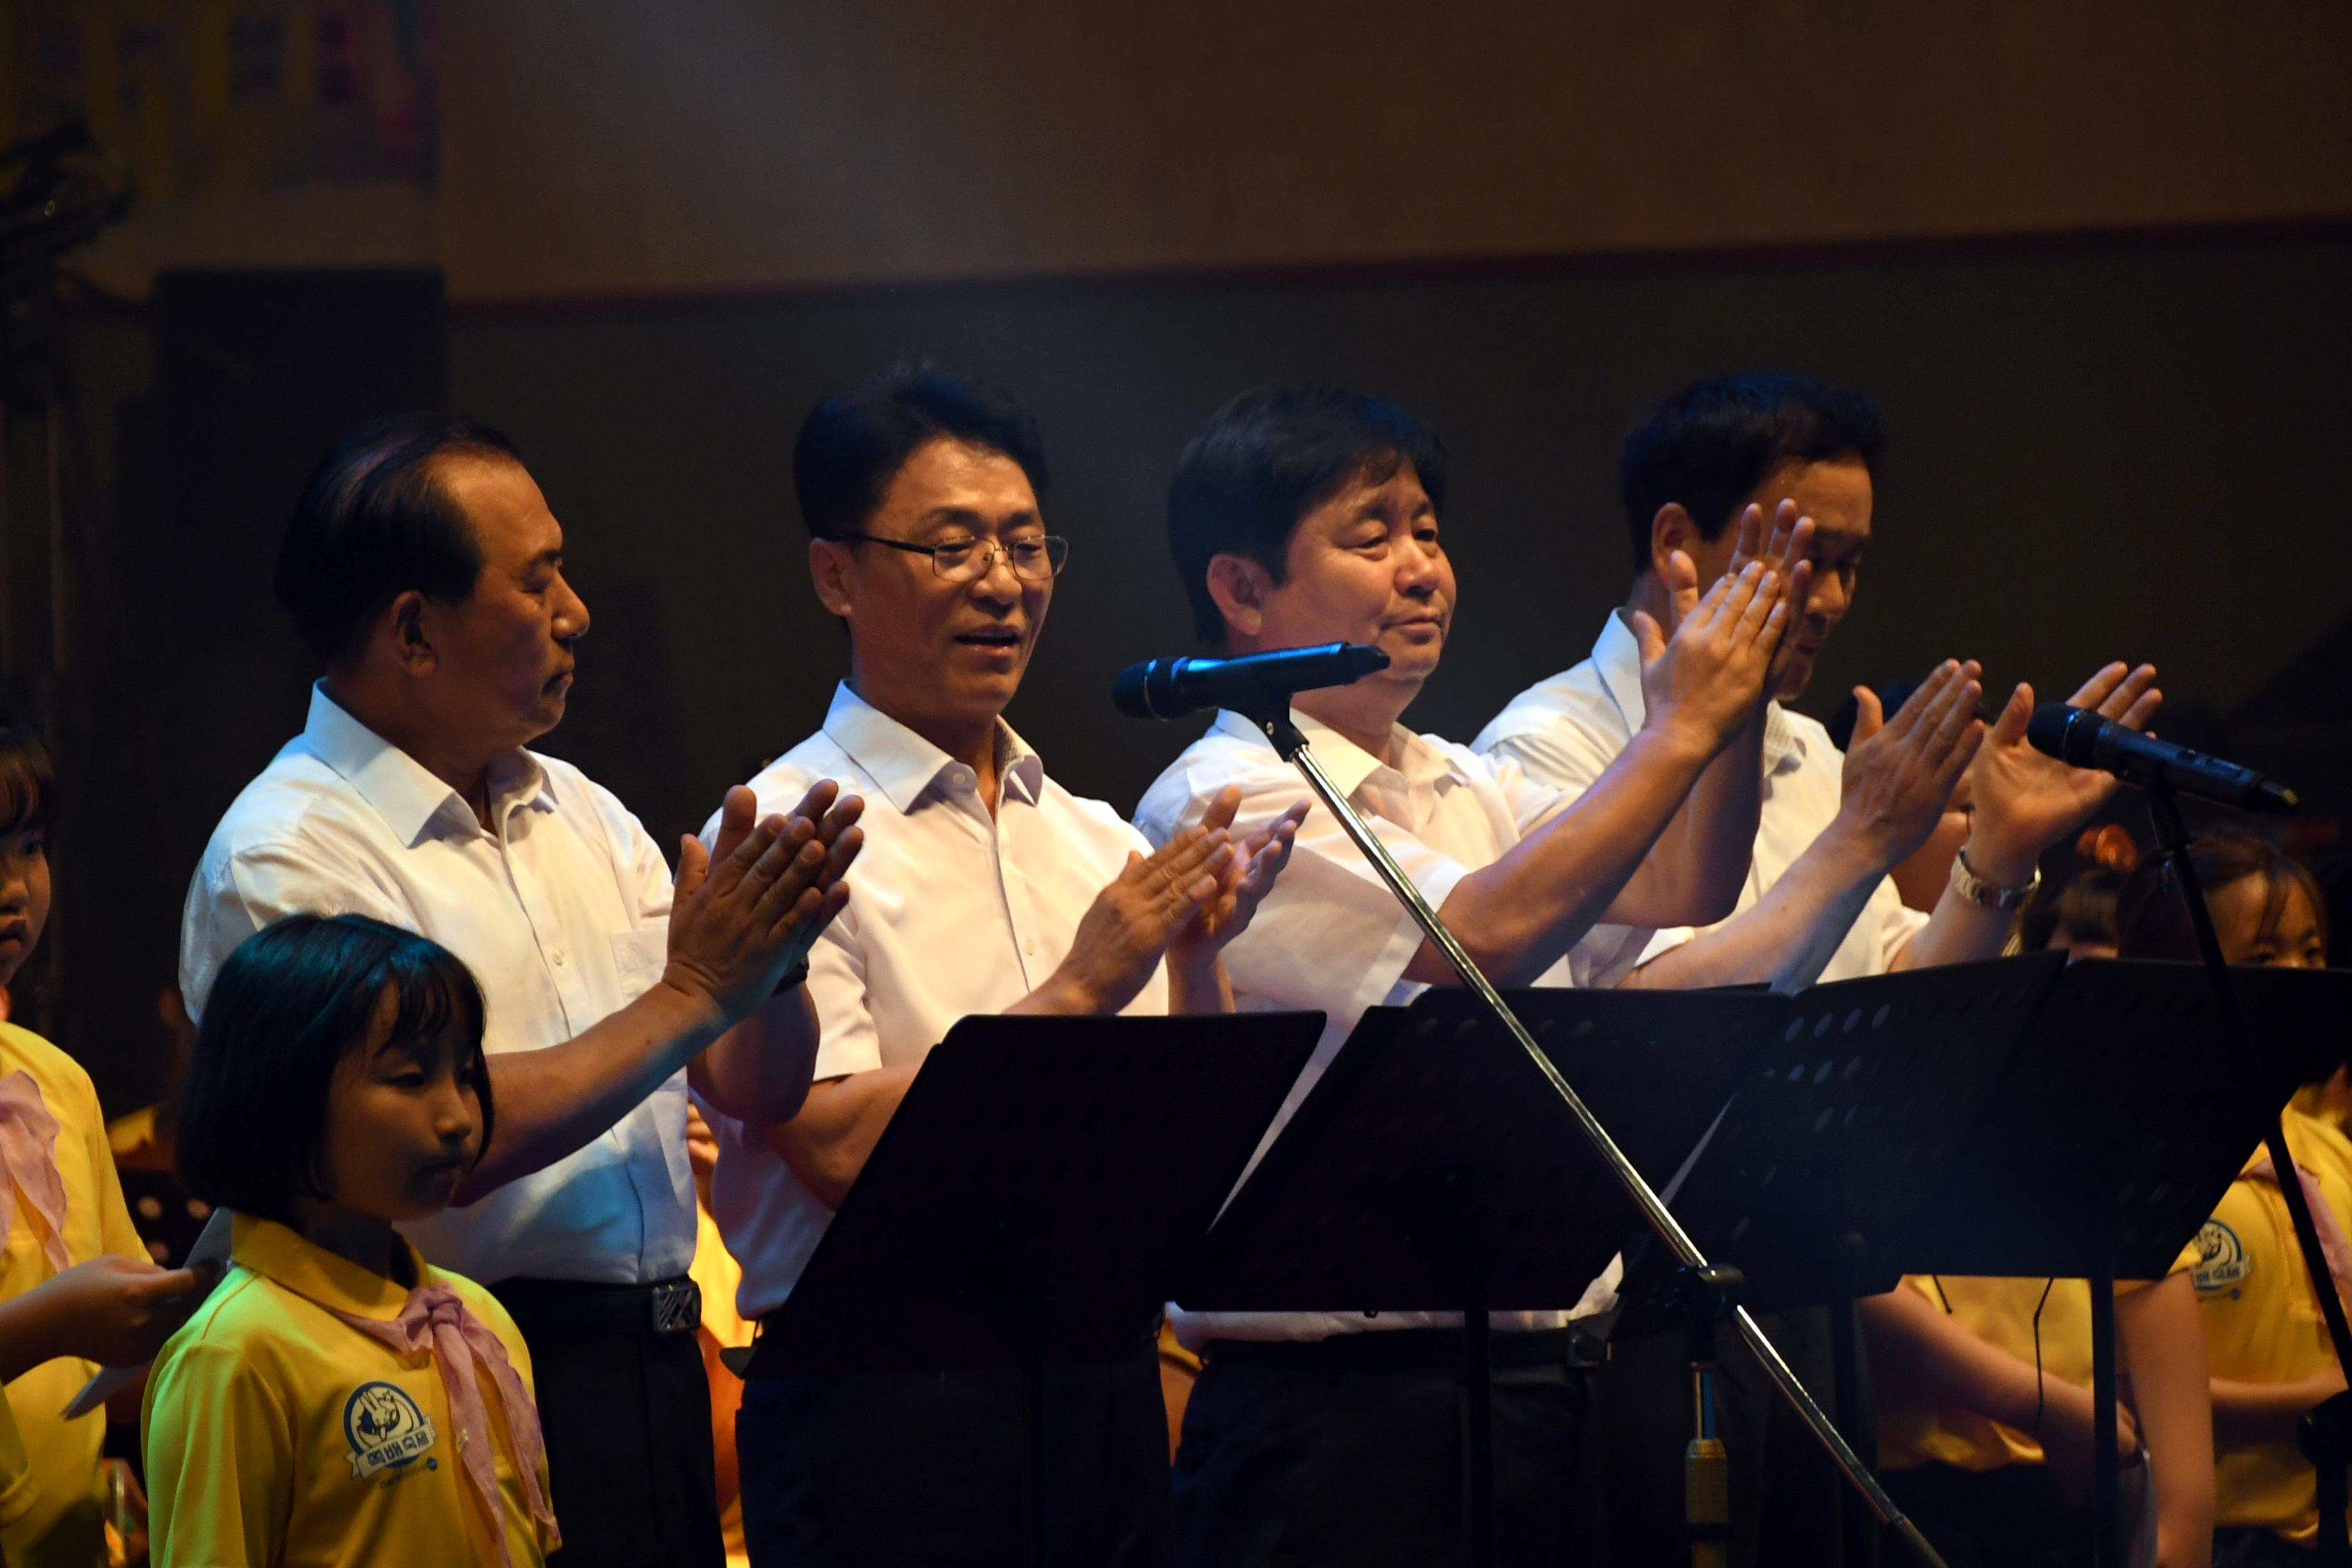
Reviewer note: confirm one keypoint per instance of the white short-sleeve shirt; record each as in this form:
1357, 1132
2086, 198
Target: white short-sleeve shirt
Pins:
1565, 730
1330, 936
951, 912
562, 911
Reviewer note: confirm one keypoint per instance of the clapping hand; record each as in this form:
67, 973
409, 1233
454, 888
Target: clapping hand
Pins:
1711, 677
746, 912
1789, 547
2025, 801
1127, 931
1900, 773
1248, 876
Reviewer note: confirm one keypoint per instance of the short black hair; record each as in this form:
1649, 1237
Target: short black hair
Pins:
374, 522
292, 1001
28, 780
1711, 443
1267, 458
854, 441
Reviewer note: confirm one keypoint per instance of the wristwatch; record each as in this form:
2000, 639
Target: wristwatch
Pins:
1991, 895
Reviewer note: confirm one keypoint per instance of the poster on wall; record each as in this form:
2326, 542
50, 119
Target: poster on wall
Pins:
217, 97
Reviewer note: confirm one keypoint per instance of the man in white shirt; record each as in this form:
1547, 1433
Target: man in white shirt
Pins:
424, 569
984, 887
1817, 902
1831, 825
1309, 516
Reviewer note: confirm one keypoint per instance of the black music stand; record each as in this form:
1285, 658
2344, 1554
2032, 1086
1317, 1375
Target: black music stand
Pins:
1431, 1168
2117, 1180
1846, 1122
1035, 1199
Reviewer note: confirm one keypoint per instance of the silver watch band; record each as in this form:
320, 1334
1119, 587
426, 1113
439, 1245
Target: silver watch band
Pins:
1991, 895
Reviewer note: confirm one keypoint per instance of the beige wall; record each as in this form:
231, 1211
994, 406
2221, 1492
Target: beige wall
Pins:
615, 147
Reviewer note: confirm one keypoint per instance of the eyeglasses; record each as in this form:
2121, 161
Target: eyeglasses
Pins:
1036, 559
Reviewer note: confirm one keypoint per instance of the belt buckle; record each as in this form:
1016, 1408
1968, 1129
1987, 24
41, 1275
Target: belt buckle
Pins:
677, 1306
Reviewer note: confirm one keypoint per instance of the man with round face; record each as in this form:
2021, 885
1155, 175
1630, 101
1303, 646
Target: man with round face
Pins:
984, 887
1818, 901
1313, 515
425, 569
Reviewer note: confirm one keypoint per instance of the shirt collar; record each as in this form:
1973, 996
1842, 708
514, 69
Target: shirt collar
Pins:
282, 1255
406, 793
1348, 764
903, 764
1617, 658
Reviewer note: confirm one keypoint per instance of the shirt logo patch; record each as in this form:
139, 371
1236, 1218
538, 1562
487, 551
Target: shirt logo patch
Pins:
2221, 1260
385, 1429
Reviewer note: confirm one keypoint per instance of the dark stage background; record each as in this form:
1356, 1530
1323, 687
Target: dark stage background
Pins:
2127, 447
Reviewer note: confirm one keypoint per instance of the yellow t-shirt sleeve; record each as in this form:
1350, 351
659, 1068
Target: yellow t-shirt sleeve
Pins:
117, 1234
220, 1461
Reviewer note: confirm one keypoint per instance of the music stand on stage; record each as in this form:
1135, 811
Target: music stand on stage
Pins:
1431, 1168
2084, 1167
1846, 1118
2020, 1118
1035, 1200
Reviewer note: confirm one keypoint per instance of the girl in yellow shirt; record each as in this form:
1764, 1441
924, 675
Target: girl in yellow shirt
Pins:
2266, 1345
76, 1288
337, 1400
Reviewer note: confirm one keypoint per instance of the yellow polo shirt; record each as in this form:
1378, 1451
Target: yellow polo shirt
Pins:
2262, 1325
2000, 1312
277, 1433
53, 1505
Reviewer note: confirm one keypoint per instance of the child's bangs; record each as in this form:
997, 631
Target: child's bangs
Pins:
26, 783
2281, 877
434, 994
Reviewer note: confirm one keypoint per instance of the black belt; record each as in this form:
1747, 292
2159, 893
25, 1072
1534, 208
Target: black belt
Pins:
575, 1309
1412, 1349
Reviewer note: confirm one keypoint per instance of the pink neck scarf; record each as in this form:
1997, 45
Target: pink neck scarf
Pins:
28, 1140
435, 1320
2332, 1242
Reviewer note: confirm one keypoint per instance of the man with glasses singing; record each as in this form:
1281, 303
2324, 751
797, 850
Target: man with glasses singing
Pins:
984, 887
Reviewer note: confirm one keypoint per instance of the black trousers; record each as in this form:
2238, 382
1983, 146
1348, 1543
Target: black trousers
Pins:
1786, 1495
629, 1460
929, 1470
2013, 1516
1352, 1468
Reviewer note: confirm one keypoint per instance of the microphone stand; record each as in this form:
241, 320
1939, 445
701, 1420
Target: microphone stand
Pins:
1701, 1277
2325, 1433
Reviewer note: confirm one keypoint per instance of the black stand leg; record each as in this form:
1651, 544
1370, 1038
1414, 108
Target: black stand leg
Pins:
1704, 1297
1861, 1530
2324, 1436
1479, 1438
1039, 1533
2106, 1493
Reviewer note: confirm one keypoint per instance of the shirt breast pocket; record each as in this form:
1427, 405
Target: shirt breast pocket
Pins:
639, 957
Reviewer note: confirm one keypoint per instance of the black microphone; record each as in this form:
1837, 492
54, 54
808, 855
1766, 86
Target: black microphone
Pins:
1255, 684
2087, 739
